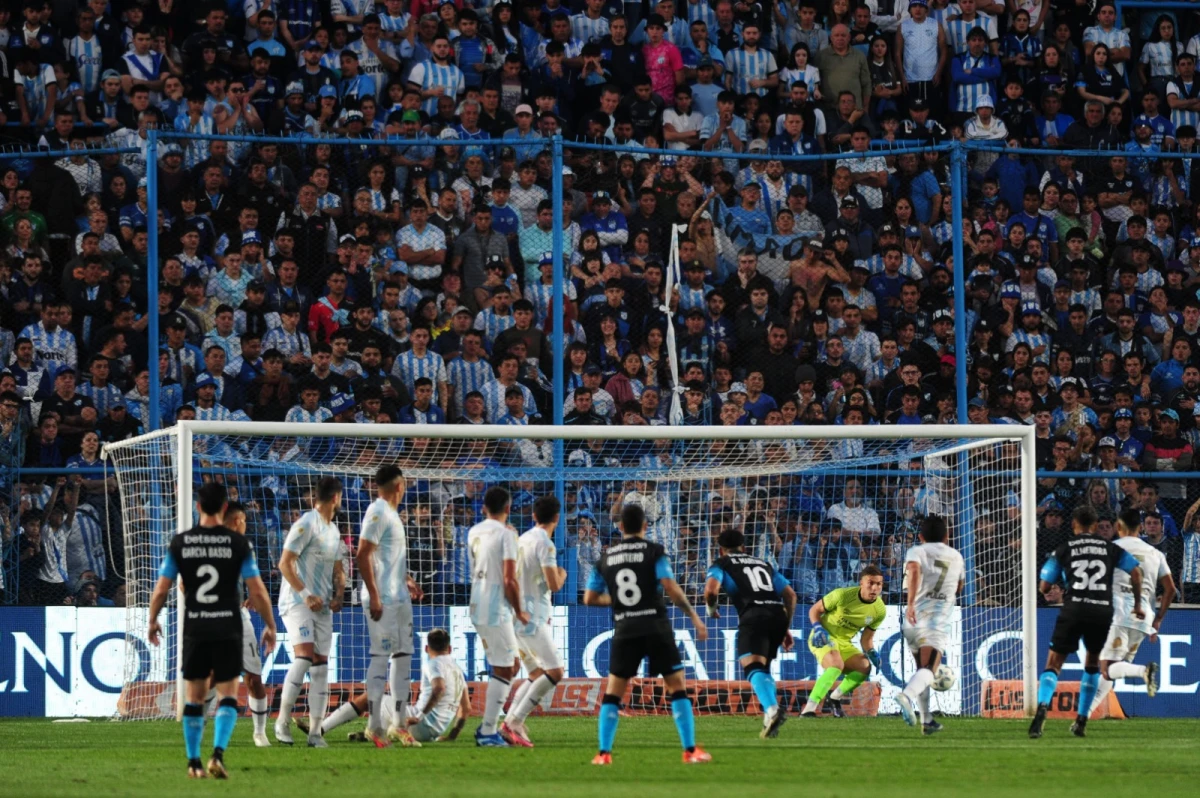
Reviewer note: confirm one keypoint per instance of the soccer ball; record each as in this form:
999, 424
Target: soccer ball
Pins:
944, 678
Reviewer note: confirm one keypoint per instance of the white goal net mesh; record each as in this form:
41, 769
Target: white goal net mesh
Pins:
819, 510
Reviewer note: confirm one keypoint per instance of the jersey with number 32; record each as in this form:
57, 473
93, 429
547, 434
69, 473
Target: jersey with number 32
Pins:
941, 569
1087, 564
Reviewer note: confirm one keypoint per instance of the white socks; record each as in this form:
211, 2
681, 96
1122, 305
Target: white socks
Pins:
399, 675
318, 697
541, 686
519, 696
918, 690
1126, 670
377, 679
345, 713
293, 683
259, 709
1106, 686
497, 695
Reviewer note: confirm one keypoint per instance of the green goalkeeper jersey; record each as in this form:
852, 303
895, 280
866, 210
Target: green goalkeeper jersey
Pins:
845, 613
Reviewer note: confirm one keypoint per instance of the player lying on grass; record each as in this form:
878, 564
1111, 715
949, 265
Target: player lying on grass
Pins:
211, 562
765, 604
1127, 632
442, 707
835, 620
1086, 564
933, 576
631, 577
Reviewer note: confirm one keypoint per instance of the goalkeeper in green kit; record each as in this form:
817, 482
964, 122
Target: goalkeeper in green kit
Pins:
835, 620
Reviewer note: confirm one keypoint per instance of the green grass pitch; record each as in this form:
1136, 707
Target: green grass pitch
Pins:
857, 757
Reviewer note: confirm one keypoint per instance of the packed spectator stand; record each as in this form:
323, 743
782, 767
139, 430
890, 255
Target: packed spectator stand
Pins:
413, 283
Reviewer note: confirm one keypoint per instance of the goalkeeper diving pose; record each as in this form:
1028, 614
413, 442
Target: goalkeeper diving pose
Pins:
765, 604
836, 618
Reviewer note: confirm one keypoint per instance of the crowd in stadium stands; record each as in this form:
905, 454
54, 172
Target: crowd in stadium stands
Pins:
413, 284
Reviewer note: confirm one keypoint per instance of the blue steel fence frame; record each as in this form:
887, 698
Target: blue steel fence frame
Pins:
958, 152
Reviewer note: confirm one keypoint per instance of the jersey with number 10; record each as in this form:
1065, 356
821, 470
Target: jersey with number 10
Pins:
941, 569
630, 572
211, 562
750, 582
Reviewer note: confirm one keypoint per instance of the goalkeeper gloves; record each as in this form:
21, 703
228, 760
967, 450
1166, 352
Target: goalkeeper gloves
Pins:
873, 656
819, 637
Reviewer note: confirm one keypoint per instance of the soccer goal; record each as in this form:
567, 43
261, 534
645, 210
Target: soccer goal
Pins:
820, 503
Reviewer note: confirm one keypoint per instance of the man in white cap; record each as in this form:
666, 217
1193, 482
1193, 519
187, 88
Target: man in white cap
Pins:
524, 139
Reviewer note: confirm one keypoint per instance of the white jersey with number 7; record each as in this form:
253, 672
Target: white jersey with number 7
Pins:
941, 569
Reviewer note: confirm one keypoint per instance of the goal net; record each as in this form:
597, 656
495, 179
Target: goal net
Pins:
820, 503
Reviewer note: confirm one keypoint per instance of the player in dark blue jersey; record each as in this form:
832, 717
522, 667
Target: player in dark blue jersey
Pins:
1085, 566
211, 563
632, 577
765, 604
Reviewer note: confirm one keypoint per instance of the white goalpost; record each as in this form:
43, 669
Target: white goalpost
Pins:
820, 503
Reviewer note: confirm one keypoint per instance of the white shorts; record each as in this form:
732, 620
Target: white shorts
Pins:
422, 732
920, 636
1122, 644
393, 633
305, 626
537, 649
251, 659
500, 643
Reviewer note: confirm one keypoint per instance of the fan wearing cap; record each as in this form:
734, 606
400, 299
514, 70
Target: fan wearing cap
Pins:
725, 131
1031, 332
611, 228
664, 62
973, 74
984, 125
1071, 414
526, 141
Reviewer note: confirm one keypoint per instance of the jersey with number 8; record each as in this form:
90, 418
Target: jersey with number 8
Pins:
941, 569
630, 571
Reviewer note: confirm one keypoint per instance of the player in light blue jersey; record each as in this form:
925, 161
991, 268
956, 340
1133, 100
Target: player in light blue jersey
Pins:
388, 591
495, 603
539, 575
933, 575
314, 584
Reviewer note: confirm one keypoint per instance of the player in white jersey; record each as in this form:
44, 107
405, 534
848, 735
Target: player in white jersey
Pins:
314, 581
387, 596
495, 602
933, 575
260, 705
539, 575
1128, 631
442, 707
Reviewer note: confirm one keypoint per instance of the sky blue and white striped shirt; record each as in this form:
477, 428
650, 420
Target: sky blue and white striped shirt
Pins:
410, 367
465, 377
744, 66
87, 58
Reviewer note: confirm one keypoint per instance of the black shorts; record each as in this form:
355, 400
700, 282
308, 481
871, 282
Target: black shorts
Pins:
626, 655
761, 632
1070, 628
222, 659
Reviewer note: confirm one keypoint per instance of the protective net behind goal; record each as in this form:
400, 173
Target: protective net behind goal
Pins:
818, 509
